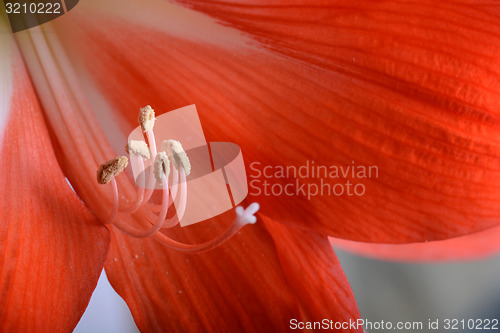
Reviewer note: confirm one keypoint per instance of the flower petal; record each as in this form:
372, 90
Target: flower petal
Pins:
408, 88
242, 280
471, 247
237, 287
314, 273
53, 249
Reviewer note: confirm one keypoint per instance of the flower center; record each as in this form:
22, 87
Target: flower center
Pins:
172, 154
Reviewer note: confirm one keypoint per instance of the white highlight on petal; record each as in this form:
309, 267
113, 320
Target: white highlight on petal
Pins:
173, 19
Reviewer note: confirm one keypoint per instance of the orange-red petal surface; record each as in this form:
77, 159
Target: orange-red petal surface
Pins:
315, 275
52, 249
237, 287
411, 88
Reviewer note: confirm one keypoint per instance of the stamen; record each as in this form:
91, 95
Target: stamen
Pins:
152, 144
133, 232
147, 118
243, 217
138, 148
173, 193
172, 222
134, 206
111, 168
179, 157
160, 171
175, 182
161, 166
114, 211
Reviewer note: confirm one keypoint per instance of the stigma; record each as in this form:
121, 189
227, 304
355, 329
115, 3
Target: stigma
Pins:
172, 161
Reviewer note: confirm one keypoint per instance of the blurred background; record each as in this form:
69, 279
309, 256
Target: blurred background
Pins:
392, 291
388, 291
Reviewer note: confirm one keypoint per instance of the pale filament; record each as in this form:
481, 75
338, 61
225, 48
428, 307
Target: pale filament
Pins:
243, 217
151, 183
173, 189
172, 222
136, 204
137, 233
175, 183
114, 211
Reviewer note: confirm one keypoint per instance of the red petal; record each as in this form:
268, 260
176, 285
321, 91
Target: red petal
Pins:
237, 287
53, 250
243, 281
408, 88
314, 274
471, 247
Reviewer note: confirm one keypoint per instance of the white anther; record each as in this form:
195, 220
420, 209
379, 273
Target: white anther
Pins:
179, 157
138, 148
161, 166
248, 215
147, 118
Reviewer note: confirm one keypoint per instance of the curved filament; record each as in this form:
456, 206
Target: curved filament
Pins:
114, 211
237, 224
151, 182
134, 206
172, 222
133, 232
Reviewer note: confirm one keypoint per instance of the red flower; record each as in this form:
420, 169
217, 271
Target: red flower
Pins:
407, 87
